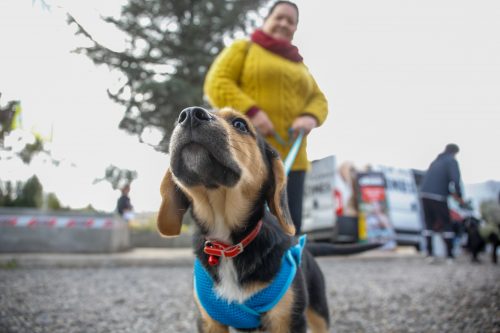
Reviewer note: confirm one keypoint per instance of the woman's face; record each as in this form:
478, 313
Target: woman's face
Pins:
282, 22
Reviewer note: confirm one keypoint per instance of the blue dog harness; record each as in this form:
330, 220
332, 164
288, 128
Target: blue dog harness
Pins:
247, 315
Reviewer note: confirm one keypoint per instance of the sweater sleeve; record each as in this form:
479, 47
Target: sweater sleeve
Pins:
317, 104
455, 177
221, 85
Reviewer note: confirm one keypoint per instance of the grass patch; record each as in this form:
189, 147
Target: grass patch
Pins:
10, 264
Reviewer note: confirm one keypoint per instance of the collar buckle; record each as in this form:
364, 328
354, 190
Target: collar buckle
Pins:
216, 249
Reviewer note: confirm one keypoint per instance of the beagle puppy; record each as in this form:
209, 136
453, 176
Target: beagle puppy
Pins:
247, 257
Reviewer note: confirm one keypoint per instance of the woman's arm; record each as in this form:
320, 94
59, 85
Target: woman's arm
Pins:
221, 82
314, 113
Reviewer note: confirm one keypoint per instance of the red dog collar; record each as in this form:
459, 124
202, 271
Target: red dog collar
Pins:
216, 249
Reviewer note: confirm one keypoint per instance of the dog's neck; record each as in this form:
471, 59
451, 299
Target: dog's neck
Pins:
239, 213
239, 277
223, 212
227, 228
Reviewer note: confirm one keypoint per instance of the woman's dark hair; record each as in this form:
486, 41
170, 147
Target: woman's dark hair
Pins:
280, 3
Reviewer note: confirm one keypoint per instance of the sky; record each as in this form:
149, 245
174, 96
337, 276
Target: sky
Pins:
403, 78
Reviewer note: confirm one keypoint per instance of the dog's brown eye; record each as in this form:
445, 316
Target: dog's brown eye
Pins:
240, 125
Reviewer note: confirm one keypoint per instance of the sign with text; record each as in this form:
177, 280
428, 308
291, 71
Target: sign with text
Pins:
319, 203
374, 222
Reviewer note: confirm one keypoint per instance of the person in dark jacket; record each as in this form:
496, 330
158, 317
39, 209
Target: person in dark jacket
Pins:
123, 205
441, 179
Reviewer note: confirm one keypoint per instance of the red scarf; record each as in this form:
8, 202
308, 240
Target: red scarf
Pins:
278, 46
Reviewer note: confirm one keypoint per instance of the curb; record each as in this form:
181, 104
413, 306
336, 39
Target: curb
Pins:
156, 257
138, 257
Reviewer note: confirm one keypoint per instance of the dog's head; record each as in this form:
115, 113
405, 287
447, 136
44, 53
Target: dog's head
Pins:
471, 224
220, 164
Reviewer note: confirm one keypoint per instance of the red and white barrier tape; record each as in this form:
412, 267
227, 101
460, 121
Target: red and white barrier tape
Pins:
57, 222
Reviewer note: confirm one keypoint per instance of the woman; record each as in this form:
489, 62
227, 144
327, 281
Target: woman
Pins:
266, 79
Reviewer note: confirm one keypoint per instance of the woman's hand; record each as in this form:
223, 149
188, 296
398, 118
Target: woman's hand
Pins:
306, 123
261, 121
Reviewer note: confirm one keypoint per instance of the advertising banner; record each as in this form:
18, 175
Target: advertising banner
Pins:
374, 222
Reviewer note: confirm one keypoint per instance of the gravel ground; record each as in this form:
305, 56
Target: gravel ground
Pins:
365, 295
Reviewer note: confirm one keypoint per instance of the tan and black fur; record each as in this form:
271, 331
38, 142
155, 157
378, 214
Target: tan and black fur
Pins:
227, 173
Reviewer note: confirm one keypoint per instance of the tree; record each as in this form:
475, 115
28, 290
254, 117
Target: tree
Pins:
117, 177
23, 194
26, 145
171, 45
7, 113
31, 194
53, 202
6, 194
27, 194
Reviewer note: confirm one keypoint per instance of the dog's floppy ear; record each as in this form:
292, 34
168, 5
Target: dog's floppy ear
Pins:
173, 206
277, 196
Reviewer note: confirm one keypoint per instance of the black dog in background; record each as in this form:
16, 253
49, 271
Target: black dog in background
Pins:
477, 243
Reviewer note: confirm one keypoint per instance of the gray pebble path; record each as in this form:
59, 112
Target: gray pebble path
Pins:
365, 295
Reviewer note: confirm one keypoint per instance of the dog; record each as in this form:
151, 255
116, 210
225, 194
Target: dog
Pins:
478, 235
234, 186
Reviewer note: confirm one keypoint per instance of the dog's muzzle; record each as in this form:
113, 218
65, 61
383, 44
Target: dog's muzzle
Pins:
200, 152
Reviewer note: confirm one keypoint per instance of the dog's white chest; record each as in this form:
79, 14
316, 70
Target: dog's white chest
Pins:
228, 286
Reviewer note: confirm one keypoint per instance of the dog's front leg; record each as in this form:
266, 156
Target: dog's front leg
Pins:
206, 324
287, 316
494, 242
211, 326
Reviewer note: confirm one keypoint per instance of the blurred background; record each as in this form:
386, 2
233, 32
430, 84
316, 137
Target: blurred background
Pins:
89, 90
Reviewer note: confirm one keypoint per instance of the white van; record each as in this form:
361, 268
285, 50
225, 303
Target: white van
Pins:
318, 212
404, 207
324, 188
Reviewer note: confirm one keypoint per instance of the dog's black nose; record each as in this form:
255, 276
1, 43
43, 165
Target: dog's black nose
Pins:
194, 116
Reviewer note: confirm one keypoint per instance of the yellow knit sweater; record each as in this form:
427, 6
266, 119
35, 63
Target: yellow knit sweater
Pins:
245, 74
